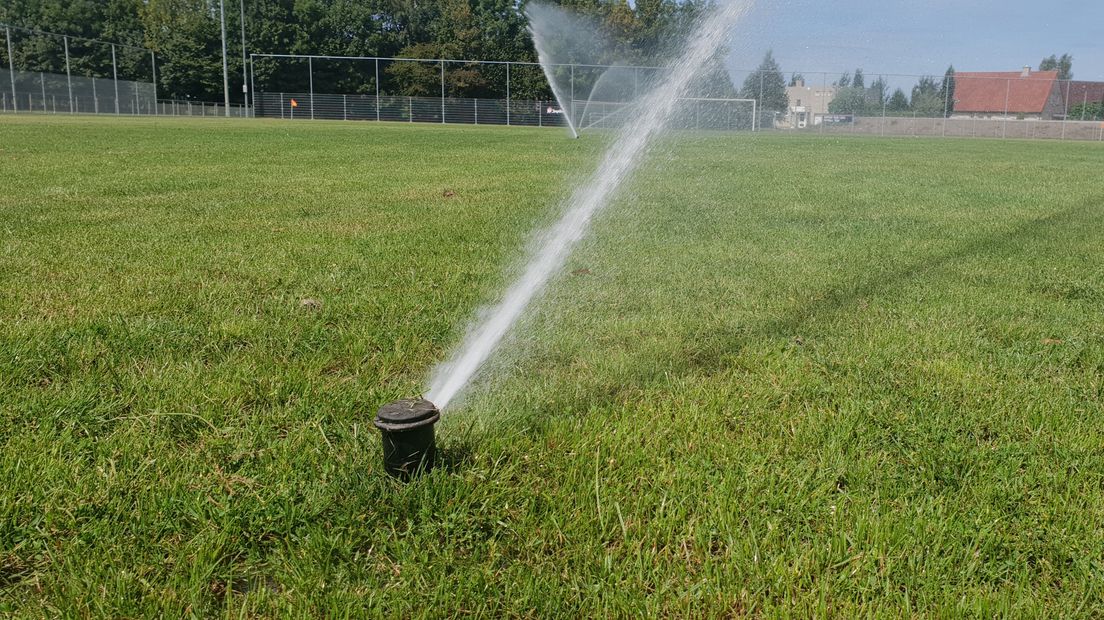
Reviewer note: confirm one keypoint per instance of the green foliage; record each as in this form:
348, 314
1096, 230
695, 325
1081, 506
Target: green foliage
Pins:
898, 103
189, 45
947, 90
848, 100
1087, 112
110, 20
927, 101
853, 96
767, 85
186, 36
1063, 65
877, 95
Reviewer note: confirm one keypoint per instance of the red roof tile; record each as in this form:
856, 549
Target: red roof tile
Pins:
1000, 91
1084, 92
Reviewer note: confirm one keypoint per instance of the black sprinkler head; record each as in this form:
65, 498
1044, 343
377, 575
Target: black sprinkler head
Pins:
409, 447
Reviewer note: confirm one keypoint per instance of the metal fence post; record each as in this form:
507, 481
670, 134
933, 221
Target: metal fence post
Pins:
885, 100
310, 70
507, 94
153, 68
824, 98
344, 107
572, 95
946, 104
1007, 96
115, 76
252, 90
95, 98
1065, 114
476, 111
759, 122
245, 93
377, 91
68, 73
442, 92
42, 82
410, 105
11, 68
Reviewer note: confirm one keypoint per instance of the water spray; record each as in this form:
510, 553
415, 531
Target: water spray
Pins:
407, 425
538, 42
555, 245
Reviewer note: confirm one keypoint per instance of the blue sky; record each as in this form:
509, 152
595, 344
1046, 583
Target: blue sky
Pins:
921, 36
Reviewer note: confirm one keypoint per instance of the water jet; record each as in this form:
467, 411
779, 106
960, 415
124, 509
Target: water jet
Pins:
551, 248
409, 444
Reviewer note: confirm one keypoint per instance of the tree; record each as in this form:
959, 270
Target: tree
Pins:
796, 79
852, 96
767, 85
1063, 65
926, 100
898, 103
947, 91
186, 38
185, 34
848, 101
877, 95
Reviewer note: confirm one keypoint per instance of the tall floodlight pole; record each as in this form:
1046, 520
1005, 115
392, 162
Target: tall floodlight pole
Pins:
245, 80
225, 69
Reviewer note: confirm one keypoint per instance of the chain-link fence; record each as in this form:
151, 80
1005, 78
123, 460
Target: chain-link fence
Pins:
50, 73
471, 92
1021, 104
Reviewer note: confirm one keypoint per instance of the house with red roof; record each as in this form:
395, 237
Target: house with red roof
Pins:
1008, 94
1084, 92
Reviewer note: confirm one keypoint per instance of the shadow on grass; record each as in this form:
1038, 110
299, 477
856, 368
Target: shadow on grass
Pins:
457, 454
837, 299
725, 340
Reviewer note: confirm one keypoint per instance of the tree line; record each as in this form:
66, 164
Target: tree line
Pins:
930, 97
186, 36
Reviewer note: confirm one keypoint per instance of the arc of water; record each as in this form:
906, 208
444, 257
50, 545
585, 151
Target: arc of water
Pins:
622, 158
542, 55
597, 88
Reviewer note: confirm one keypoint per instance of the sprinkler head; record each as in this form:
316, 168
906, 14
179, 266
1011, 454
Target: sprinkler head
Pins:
409, 446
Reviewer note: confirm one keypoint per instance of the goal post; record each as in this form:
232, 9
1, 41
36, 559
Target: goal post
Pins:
690, 113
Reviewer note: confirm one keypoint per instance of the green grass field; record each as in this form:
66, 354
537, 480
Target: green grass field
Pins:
790, 376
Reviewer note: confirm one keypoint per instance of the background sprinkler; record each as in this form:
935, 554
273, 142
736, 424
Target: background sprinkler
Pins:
409, 446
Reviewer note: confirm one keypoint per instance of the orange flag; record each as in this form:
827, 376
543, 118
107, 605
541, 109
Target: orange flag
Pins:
294, 103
